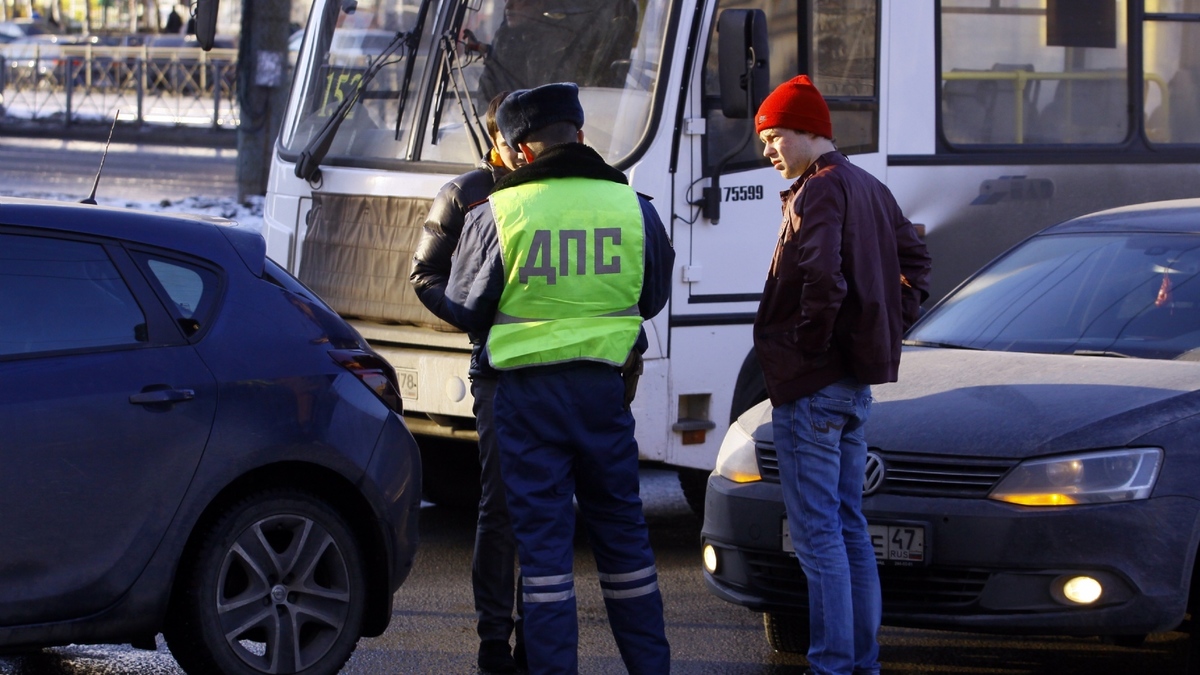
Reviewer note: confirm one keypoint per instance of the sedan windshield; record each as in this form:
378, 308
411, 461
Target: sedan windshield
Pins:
1117, 294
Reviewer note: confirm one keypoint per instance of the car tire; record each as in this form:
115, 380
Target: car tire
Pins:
694, 483
450, 473
275, 586
750, 388
786, 632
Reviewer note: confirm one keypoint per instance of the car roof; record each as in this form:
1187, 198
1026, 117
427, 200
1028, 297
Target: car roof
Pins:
1177, 215
201, 235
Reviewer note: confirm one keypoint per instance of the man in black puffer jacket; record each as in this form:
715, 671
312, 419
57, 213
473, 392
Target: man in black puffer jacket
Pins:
493, 567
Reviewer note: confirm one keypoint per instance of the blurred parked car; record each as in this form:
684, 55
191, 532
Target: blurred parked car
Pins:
23, 27
1035, 469
193, 443
35, 59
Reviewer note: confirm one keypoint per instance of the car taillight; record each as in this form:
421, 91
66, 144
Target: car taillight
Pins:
377, 374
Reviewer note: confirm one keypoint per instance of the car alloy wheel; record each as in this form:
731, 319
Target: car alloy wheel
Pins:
276, 587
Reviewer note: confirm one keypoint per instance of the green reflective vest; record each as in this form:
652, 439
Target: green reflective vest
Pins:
573, 270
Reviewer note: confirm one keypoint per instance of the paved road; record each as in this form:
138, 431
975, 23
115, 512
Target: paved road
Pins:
137, 173
432, 631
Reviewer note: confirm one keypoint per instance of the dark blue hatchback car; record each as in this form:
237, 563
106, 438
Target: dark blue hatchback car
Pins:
191, 443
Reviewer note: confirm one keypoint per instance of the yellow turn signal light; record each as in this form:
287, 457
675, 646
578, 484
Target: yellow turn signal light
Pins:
1051, 499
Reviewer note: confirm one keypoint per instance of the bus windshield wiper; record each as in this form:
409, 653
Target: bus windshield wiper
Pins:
308, 166
452, 72
943, 345
417, 30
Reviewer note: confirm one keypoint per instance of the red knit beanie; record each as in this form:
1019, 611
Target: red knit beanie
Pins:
795, 104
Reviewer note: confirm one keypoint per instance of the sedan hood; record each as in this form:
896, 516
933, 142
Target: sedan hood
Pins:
984, 403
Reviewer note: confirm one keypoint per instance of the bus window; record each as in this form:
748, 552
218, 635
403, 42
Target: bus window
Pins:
344, 45
610, 48
836, 43
845, 65
1058, 76
1171, 59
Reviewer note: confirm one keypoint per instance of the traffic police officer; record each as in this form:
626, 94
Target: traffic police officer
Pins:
559, 268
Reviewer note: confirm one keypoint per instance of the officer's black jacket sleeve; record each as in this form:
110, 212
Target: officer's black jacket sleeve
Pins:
443, 226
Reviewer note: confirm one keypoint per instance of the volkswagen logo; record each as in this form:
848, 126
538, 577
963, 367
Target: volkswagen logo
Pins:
873, 476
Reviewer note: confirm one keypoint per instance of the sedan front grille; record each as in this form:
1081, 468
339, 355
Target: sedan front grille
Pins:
917, 475
905, 589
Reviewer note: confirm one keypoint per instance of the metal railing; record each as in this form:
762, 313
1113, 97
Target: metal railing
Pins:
148, 85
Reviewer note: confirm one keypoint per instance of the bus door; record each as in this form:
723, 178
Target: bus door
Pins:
727, 198
737, 194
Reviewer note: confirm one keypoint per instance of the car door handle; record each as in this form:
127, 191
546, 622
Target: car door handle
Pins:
163, 396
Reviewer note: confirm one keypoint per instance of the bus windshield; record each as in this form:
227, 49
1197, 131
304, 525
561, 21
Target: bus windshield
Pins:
427, 99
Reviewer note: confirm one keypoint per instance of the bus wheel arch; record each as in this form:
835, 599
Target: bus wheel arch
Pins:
749, 389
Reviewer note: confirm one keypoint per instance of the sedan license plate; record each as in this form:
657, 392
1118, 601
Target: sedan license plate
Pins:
900, 543
407, 379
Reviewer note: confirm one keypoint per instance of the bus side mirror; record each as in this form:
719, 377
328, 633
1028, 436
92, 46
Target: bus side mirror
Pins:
206, 23
742, 62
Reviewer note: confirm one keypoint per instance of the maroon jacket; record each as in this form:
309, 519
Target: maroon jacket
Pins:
847, 279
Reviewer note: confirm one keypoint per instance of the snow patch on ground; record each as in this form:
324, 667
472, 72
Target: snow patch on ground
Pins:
248, 214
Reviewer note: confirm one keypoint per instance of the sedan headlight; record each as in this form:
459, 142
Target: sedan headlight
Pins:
736, 459
1085, 478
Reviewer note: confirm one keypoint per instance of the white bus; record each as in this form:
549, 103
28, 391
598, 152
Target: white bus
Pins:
988, 119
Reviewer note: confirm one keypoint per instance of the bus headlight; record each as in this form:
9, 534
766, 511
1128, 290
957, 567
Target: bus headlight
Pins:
1086, 478
736, 459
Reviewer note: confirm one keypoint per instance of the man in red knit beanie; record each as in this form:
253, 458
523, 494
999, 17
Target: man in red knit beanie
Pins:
847, 279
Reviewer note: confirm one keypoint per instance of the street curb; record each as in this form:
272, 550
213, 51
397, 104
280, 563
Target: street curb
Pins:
203, 137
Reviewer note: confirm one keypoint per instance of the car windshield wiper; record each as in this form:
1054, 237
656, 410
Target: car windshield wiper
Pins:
308, 166
1102, 352
943, 345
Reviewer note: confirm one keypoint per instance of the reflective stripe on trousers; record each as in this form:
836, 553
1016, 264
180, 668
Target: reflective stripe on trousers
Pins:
630, 584
554, 588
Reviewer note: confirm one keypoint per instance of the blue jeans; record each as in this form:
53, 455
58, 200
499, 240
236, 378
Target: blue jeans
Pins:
822, 455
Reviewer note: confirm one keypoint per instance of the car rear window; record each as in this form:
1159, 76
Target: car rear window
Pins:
58, 294
191, 289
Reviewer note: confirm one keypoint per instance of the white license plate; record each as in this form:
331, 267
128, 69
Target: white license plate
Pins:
898, 543
407, 379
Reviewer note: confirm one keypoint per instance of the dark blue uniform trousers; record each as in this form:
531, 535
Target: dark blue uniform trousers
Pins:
493, 566
564, 431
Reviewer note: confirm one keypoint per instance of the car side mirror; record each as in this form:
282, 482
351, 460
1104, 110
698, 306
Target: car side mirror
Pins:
743, 67
206, 23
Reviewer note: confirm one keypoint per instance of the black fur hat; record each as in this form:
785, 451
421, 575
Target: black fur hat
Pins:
527, 110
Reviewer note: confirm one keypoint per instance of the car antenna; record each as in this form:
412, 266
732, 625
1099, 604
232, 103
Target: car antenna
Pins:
91, 198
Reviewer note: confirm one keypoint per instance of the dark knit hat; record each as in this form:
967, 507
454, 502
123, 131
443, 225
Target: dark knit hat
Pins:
795, 104
527, 110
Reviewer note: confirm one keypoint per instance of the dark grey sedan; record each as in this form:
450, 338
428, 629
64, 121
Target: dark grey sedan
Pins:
191, 443
1036, 468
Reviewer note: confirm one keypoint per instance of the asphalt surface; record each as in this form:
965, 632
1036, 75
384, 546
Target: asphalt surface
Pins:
133, 171
432, 630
